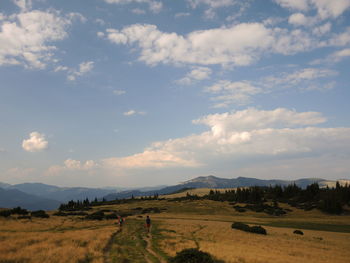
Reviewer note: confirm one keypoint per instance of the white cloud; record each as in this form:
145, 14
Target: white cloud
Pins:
196, 74
100, 34
227, 92
100, 21
304, 76
23, 4
302, 5
149, 159
242, 134
84, 68
323, 29
71, 165
154, 6
325, 8
36, 142
211, 3
333, 9
334, 57
341, 39
26, 38
138, 11
134, 112
341, 54
300, 19
178, 15
237, 45
119, 92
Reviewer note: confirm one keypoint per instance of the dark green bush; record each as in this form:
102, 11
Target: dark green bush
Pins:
39, 213
252, 229
298, 232
99, 215
258, 230
60, 213
19, 211
192, 255
5, 213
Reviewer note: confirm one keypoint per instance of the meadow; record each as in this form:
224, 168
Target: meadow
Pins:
202, 224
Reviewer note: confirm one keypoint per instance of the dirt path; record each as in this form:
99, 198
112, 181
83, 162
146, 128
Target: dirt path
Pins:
107, 249
150, 250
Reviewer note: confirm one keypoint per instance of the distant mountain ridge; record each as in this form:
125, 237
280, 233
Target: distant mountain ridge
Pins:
10, 198
43, 196
62, 194
217, 182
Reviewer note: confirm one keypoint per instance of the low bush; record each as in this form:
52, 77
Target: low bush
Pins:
5, 213
14, 211
60, 213
40, 214
99, 215
252, 229
298, 232
192, 255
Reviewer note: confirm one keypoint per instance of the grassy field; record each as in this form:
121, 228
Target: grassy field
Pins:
199, 224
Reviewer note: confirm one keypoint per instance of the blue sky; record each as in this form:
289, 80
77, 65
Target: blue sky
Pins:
148, 92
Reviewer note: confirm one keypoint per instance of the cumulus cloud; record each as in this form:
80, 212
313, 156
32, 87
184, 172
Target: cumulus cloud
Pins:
227, 92
27, 38
134, 112
149, 159
119, 92
334, 57
212, 5
36, 142
236, 45
196, 74
72, 74
325, 8
154, 6
71, 165
242, 134
300, 76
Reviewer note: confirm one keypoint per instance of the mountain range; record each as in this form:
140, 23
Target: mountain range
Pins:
217, 182
42, 196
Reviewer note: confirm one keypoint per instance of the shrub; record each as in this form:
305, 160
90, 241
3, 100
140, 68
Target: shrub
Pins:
258, 230
240, 226
60, 213
252, 229
19, 211
39, 213
5, 213
192, 255
298, 232
99, 215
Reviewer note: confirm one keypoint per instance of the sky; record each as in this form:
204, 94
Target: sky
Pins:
132, 93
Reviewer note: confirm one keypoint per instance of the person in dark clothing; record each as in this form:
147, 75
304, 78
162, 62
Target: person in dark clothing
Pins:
148, 223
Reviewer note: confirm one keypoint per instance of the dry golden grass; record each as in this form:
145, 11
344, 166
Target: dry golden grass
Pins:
197, 191
280, 245
53, 240
205, 224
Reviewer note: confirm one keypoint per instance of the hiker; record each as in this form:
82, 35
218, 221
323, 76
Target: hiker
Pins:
148, 223
120, 222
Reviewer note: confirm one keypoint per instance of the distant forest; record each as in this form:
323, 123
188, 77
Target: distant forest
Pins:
329, 200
